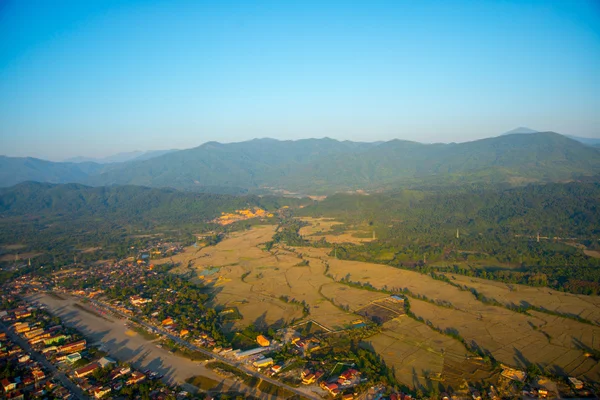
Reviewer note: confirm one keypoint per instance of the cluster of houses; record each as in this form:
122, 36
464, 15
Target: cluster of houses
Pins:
115, 378
346, 380
27, 376
306, 345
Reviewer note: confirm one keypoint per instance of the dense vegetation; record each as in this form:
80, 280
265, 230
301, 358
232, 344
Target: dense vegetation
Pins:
497, 232
61, 220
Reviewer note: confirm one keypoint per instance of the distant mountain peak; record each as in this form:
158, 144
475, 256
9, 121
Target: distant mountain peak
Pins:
520, 130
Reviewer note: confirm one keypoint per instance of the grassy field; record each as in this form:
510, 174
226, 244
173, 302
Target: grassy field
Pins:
203, 382
21, 256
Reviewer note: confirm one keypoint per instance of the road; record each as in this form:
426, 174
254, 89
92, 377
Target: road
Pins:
55, 373
210, 354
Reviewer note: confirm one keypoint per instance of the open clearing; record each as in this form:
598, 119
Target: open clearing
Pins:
323, 228
21, 256
16, 246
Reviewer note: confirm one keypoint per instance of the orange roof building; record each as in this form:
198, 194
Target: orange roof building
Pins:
263, 341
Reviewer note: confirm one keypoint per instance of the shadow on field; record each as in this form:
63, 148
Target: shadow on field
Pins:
520, 359
594, 353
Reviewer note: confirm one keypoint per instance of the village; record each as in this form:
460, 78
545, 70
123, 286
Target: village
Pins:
169, 312
55, 361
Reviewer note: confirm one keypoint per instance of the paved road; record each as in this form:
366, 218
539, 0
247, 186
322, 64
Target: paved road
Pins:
55, 373
193, 347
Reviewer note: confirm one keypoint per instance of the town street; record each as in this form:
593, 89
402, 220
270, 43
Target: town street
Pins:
123, 344
225, 360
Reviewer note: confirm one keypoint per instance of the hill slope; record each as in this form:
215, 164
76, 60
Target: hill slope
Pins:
15, 170
124, 203
326, 165
246, 165
514, 158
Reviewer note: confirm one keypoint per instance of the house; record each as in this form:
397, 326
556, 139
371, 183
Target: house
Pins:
105, 361
348, 396
135, 378
263, 341
276, 368
167, 321
21, 327
87, 370
24, 358
28, 381
139, 301
34, 333
15, 396
72, 347
73, 357
22, 314
576, 383
265, 362
332, 388
348, 376
7, 385
251, 352
101, 392
513, 374
38, 374
309, 379
184, 332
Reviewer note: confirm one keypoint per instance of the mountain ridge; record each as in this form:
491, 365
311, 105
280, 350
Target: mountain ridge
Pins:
328, 165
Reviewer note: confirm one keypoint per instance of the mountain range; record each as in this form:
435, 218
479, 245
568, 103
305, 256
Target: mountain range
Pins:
524, 130
313, 166
121, 157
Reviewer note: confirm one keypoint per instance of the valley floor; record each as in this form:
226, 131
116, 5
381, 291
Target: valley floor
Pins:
277, 286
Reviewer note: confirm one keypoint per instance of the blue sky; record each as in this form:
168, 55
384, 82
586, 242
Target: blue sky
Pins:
94, 78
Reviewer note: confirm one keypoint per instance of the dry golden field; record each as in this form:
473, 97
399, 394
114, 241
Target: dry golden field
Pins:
422, 357
587, 307
322, 228
510, 337
242, 274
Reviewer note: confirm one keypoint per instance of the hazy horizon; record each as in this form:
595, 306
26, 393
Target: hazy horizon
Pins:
96, 79
142, 151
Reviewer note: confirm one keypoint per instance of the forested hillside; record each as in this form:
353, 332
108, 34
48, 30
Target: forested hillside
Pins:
55, 219
14, 170
326, 166
484, 232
